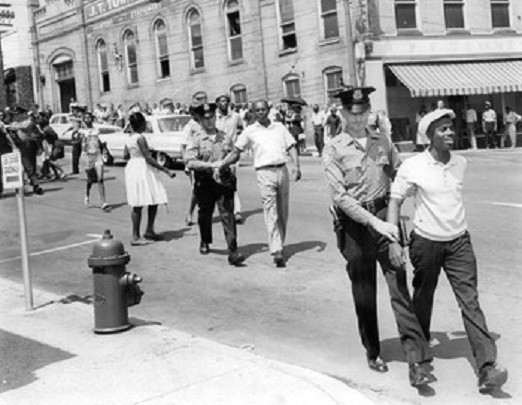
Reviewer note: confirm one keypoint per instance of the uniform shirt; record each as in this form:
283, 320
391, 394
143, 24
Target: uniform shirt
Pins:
471, 116
358, 174
489, 116
228, 124
189, 130
437, 189
270, 144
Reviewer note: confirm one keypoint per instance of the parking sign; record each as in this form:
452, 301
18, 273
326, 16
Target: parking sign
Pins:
12, 175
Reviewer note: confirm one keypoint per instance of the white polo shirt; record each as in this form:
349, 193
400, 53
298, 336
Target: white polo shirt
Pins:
270, 144
437, 189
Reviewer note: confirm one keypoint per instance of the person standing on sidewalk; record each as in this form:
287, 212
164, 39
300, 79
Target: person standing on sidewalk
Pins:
359, 166
76, 143
318, 122
271, 143
213, 185
471, 125
440, 239
142, 182
510, 121
489, 125
228, 121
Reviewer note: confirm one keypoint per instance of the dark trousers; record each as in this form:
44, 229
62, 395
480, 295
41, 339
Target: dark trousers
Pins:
490, 134
457, 259
319, 138
208, 194
29, 151
362, 248
76, 152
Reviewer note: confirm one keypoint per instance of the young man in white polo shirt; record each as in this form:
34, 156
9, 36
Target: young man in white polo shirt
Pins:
272, 144
440, 239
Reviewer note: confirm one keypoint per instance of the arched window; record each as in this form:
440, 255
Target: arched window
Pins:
238, 94
333, 79
195, 39
131, 56
103, 66
292, 85
162, 49
233, 26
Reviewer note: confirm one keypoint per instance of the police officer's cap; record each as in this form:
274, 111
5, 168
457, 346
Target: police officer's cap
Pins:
355, 99
205, 110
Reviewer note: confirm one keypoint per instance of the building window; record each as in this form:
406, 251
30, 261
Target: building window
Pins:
233, 24
292, 86
195, 39
162, 49
405, 14
329, 21
333, 80
103, 66
454, 14
287, 24
64, 71
131, 56
238, 94
500, 13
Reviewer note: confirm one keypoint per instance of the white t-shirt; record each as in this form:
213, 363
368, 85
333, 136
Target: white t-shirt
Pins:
270, 144
437, 189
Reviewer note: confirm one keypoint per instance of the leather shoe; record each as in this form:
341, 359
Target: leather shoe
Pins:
204, 249
492, 377
279, 259
378, 365
236, 259
419, 375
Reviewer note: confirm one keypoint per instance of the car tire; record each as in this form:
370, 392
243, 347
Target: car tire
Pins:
107, 157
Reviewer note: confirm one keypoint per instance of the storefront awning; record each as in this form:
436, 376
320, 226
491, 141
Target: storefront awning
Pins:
460, 78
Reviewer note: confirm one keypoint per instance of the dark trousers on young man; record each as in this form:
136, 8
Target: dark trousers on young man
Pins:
489, 130
319, 138
362, 248
76, 153
458, 260
209, 194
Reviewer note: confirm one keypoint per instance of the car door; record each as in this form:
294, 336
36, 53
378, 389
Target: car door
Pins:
114, 139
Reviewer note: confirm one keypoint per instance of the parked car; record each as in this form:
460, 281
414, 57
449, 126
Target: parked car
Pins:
62, 125
163, 134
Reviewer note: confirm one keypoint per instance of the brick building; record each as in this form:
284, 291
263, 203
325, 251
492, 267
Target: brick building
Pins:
123, 51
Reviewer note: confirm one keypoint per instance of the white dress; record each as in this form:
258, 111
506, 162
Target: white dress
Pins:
142, 181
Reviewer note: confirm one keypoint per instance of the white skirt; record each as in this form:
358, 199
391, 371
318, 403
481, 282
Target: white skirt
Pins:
143, 184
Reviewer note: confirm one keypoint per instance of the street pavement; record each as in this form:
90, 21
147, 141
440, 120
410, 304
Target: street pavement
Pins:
303, 314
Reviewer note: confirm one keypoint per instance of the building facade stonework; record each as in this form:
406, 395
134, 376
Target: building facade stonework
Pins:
123, 51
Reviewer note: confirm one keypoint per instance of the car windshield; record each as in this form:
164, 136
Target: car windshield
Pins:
172, 124
107, 130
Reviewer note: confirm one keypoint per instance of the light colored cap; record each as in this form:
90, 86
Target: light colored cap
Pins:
431, 117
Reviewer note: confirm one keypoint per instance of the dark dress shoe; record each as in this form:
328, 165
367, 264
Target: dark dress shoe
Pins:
492, 377
279, 259
419, 375
204, 249
236, 259
378, 365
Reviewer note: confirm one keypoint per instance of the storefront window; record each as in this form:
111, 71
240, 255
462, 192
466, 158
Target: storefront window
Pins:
196, 39
103, 66
500, 13
405, 14
287, 24
162, 49
330, 24
233, 23
454, 14
131, 57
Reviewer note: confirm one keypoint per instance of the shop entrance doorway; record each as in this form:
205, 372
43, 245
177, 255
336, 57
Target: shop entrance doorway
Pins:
64, 76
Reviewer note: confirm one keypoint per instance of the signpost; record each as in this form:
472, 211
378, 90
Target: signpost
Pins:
13, 178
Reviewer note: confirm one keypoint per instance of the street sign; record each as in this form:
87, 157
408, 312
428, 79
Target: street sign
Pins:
12, 174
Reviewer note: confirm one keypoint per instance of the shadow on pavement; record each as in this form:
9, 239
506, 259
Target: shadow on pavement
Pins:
244, 214
21, 357
117, 205
294, 248
136, 322
167, 236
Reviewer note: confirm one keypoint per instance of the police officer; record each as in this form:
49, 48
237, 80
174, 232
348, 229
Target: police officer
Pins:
359, 164
212, 185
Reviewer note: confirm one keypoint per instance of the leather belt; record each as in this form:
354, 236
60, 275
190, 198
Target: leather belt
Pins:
376, 205
272, 166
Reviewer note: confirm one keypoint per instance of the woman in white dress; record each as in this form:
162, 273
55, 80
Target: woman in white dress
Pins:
142, 181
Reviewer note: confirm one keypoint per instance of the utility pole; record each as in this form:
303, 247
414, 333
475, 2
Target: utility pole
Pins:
6, 22
32, 5
352, 75
86, 55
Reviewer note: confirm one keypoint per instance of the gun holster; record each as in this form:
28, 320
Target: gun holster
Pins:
338, 225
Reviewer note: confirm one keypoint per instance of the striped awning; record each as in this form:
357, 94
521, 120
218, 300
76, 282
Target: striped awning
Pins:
460, 78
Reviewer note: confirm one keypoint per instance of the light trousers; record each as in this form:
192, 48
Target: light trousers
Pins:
274, 185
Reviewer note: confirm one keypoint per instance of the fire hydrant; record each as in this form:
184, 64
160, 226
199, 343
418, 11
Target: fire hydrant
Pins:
114, 288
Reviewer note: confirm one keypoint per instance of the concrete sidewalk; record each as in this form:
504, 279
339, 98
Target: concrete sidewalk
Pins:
51, 356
